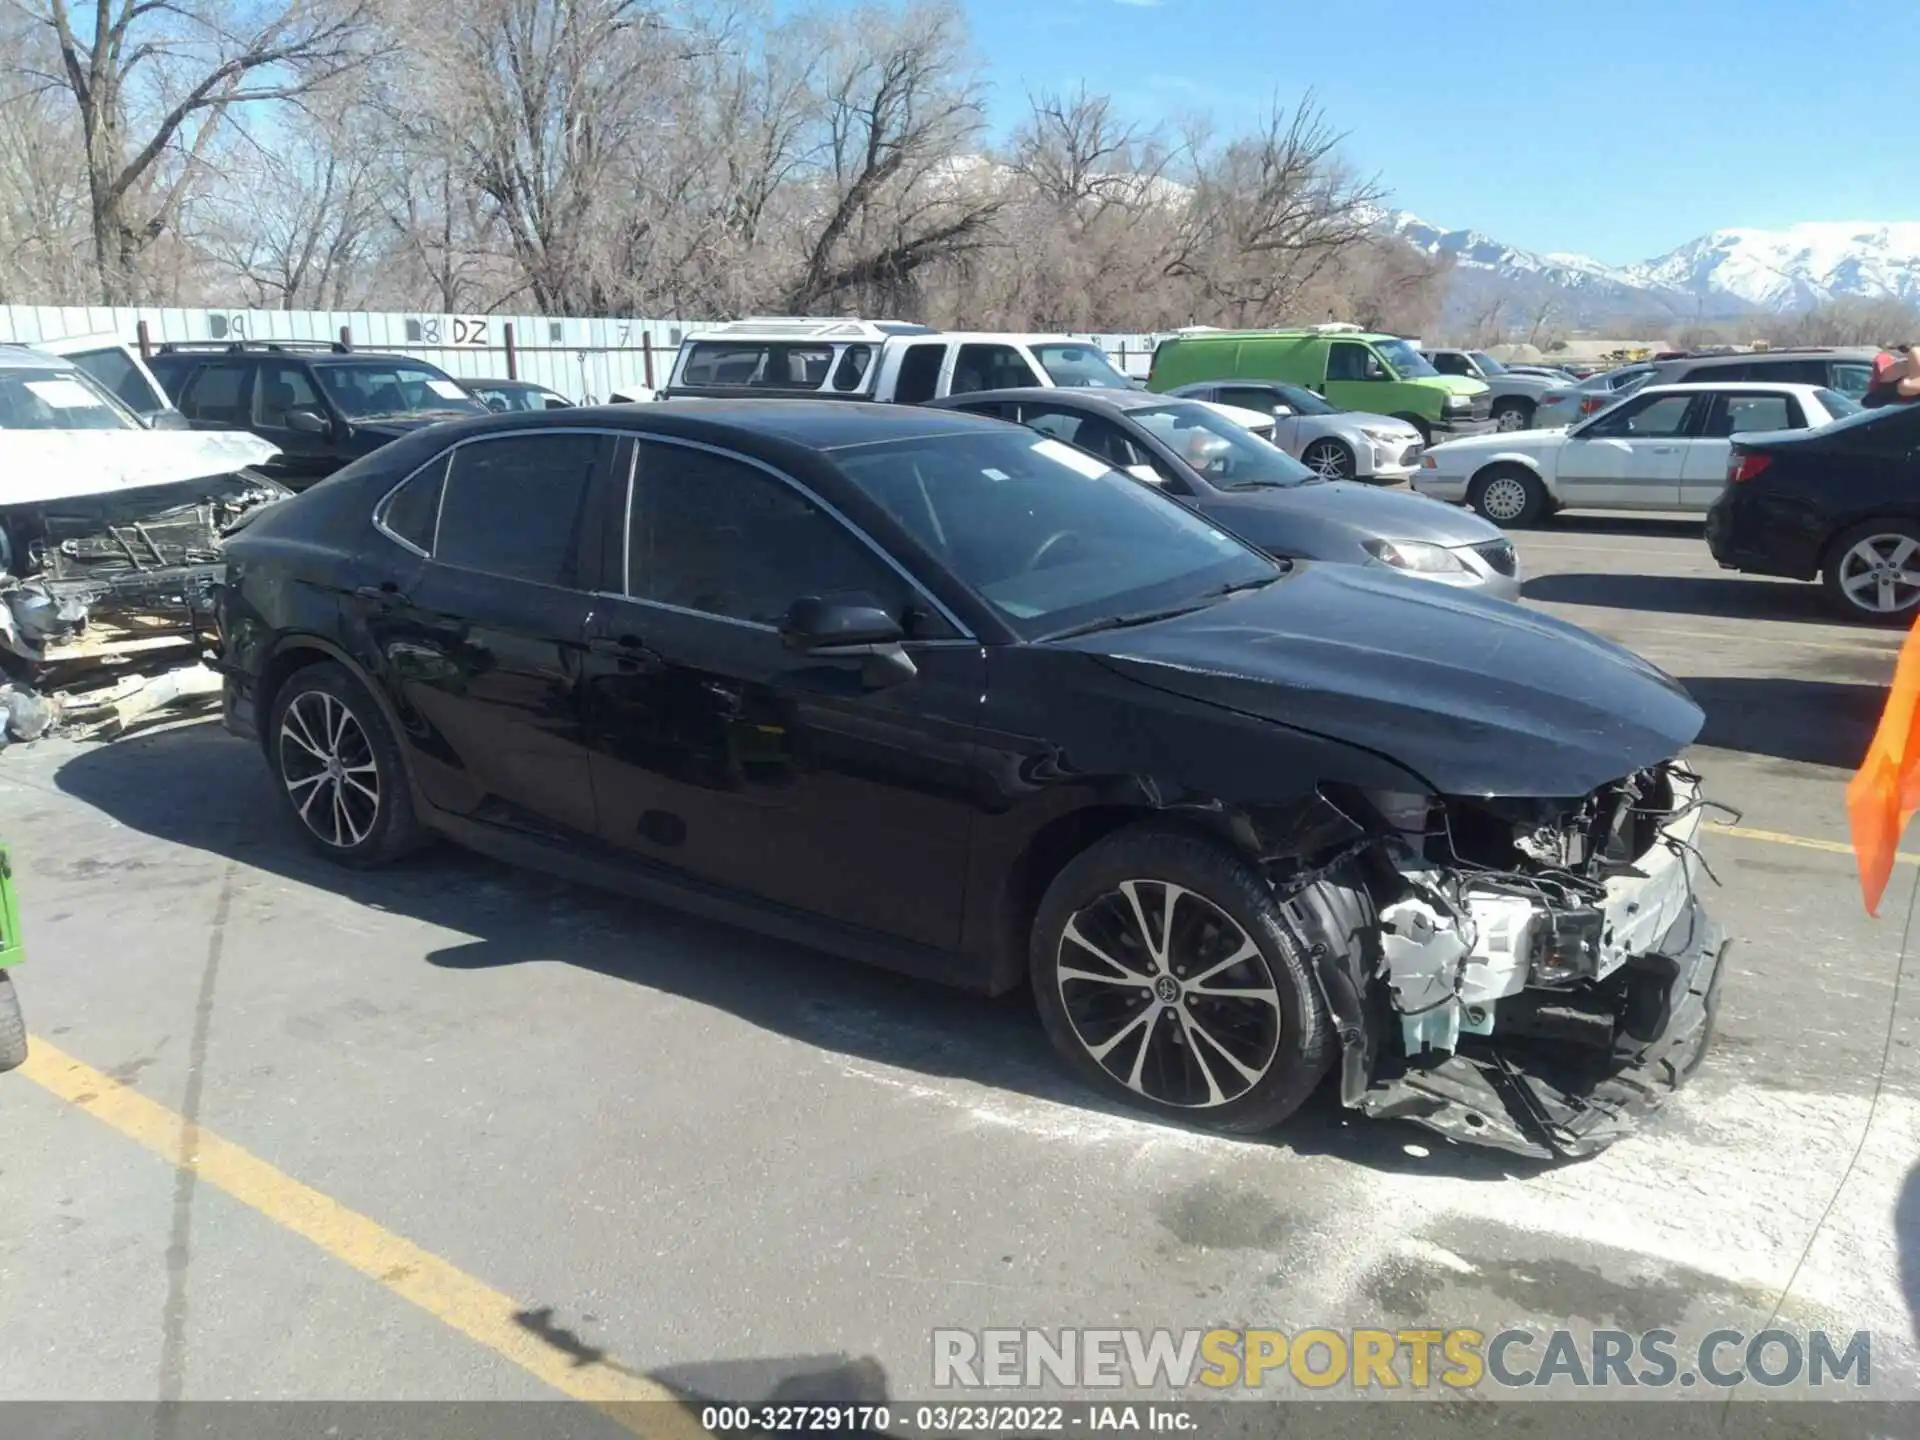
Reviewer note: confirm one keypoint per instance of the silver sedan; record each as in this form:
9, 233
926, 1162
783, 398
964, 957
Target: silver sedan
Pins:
1569, 404
1335, 444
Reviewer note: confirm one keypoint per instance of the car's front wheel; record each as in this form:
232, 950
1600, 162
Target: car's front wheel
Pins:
1167, 974
1508, 496
1329, 459
339, 768
1873, 572
13, 1027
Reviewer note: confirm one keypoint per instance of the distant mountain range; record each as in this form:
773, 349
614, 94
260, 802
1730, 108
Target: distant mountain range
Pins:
1725, 274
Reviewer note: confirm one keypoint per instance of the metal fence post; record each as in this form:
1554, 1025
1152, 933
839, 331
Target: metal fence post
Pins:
144, 337
346, 337
646, 356
513, 356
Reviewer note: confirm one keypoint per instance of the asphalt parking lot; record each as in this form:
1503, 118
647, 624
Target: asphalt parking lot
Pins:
461, 1132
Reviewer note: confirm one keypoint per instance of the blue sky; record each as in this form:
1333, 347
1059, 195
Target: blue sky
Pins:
1618, 128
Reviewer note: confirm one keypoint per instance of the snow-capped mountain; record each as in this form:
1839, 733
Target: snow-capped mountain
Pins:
1800, 266
1718, 276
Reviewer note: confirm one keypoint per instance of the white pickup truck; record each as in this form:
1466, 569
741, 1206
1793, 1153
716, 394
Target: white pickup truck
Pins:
799, 358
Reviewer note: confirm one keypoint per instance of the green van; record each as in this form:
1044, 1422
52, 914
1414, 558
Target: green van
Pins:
1355, 369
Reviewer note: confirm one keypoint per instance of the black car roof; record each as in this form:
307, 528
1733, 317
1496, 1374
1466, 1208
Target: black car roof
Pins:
1088, 396
814, 424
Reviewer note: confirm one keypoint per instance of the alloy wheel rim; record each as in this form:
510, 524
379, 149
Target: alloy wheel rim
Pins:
1328, 462
1503, 498
1879, 575
1510, 420
1169, 995
327, 765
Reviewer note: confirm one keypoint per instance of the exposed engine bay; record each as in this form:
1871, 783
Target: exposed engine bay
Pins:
1544, 970
105, 586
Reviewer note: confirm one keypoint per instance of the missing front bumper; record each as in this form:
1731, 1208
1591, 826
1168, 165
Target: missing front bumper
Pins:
1555, 1101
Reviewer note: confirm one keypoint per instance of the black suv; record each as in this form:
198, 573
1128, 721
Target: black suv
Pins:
1848, 369
323, 405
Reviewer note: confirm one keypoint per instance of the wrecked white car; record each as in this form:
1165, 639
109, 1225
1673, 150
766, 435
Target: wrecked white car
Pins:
109, 539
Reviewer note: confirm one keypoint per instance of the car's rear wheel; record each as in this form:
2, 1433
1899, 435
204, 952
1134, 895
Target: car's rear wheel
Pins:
1168, 976
1512, 415
1329, 459
339, 768
13, 1027
1873, 572
1508, 496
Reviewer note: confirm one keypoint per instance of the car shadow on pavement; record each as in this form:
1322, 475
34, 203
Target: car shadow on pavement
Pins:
1815, 722
1666, 527
1906, 1239
1710, 595
194, 785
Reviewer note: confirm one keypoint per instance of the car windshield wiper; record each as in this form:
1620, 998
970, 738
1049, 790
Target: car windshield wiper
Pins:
1147, 617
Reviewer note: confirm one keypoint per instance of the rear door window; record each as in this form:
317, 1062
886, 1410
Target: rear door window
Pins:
1659, 417
220, 394
1849, 378
411, 512
283, 388
1743, 414
991, 367
919, 373
513, 506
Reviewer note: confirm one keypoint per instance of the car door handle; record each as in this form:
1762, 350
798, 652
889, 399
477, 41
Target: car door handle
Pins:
629, 650
385, 593
1665, 449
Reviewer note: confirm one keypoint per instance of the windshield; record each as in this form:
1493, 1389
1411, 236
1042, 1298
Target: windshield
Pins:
36, 398
1406, 361
1227, 456
1083, 366
1048, 536
1488, 365
392, 389
1305, 402
1837, 404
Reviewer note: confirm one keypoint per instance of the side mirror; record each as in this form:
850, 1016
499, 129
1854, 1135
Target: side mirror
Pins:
829, 628
496, 403
1281, 412
308, 422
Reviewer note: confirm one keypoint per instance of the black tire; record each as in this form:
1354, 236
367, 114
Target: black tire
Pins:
1845, 565
13, 1027
355, 831
1489, 492
1329, 458
1097, 1005
1518, 412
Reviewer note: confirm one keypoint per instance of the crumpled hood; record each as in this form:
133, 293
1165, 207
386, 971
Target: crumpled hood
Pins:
1476, 696
41, 465
1371, 512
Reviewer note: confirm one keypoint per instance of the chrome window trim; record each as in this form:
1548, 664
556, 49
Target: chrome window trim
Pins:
965, 635
447, 455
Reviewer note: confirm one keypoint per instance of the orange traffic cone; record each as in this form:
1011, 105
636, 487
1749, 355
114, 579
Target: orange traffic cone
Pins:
1885, 792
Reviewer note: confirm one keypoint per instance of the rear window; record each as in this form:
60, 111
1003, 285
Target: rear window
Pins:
1837, 404
756, 365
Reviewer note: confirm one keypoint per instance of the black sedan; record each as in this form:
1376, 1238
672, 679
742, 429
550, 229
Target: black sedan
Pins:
1840, 503
1193, 452
936, 692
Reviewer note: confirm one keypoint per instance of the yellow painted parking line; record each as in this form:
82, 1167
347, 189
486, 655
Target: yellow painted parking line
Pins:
1802, 842
641, 1405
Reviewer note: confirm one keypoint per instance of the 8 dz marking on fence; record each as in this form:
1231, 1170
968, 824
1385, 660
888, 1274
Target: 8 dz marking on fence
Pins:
461, 330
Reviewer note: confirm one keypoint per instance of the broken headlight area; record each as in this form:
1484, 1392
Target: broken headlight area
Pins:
106, 600
1545, 971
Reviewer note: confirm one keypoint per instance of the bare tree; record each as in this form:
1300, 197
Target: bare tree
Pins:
296, 222
898, 112
1270, 211
152, 80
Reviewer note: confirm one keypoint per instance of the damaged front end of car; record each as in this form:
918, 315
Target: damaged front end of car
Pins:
108, 575
1542, 973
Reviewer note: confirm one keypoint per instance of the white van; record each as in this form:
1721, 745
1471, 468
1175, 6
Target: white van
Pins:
118, 366
885, 360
